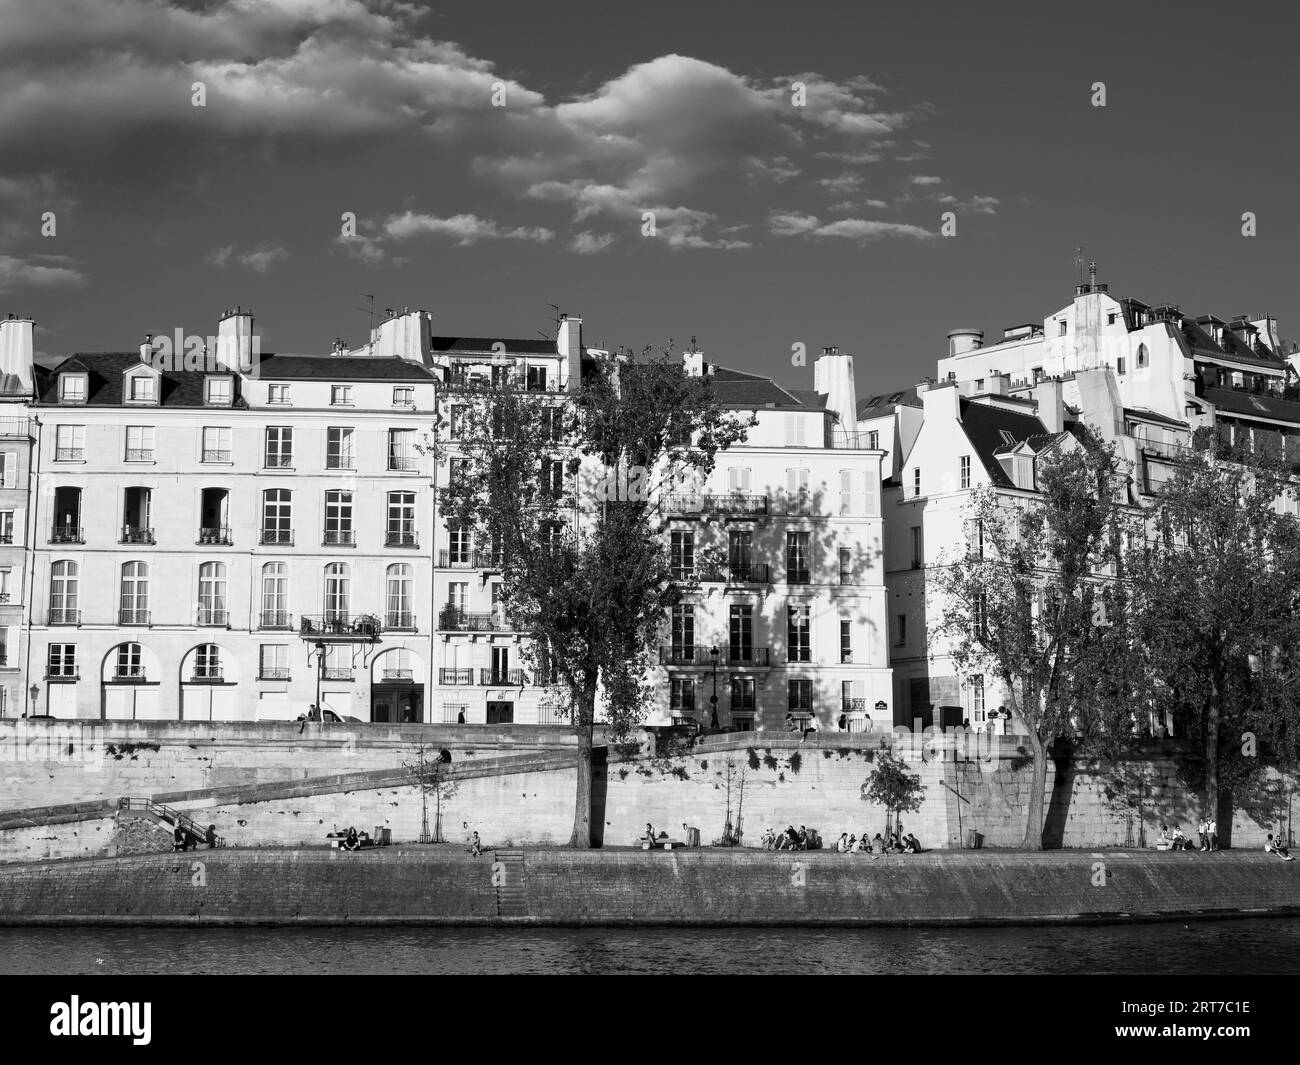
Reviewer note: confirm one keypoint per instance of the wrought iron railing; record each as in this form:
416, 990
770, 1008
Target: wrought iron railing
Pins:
208, 615
278, 536
135, 534
452, 620
748, 656
214, 534
132, 617
395, 538
66, 534
275, 619
455, 676
339, 624
507, 678
399, 621
64, 617
339, 538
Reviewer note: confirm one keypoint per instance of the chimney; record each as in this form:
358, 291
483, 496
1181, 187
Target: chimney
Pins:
924, 386
833, 378
963, 341
1267, 327
235, 345
16, 353
941, 401
568, 345
693, 361
146, 349
403, 336
1051, 405
997, 384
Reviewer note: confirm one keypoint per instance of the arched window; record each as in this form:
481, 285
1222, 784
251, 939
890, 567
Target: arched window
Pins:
63, 594
212, 594
1142, 354
275, 596
338, 582
130, 662
397, 608
207, 662
133, 606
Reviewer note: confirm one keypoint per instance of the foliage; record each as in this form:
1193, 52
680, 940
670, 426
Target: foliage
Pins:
890, 785
428, 771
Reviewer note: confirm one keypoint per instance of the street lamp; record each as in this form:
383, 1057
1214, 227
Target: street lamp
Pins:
34, 691
713, 701
320, 675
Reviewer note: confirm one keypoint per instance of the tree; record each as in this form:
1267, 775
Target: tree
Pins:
1034, 603
428, 772
562, 487
890, 785
1215, 595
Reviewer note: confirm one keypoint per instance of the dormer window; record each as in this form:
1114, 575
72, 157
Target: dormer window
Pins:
72, 388
142, 390
341, 395
403, 397
278, 394
218, 391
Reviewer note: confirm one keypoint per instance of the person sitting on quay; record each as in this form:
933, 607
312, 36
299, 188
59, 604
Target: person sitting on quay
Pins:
1163, 841
878, 844
351, 841
475, 845
803, 839
855, 844
1276, 846
842, 844
1181, 842
911, 845
789, 840
649, 834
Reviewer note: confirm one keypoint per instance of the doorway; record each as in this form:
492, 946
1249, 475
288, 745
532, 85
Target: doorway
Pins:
500, 713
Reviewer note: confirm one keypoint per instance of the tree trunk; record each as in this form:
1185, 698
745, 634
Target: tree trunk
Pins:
1033, 840
1211, 808
584, 726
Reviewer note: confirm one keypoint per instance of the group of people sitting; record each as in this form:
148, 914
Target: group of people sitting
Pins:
1176, 839
800, 840
1276, 846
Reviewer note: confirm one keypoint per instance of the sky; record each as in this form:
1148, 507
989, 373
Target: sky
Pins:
756, 176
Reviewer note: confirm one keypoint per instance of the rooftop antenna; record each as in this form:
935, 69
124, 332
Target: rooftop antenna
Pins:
1078, 261
554, 321
370, 310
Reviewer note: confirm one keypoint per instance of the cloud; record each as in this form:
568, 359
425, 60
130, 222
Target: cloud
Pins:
860, 229
259, 259
464, 229
974, 205
926, 179
586, 243
38, 271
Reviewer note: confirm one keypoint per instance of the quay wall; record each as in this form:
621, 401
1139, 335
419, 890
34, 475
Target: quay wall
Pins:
441, 885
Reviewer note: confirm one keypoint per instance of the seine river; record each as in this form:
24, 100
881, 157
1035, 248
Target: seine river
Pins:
1238, 946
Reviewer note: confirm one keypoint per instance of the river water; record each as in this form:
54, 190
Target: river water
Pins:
1237, 946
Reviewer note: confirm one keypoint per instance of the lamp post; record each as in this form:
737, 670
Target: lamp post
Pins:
713, 700
34, 691
320, 675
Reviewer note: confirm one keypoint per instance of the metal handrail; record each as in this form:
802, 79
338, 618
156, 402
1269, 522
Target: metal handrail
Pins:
169, 815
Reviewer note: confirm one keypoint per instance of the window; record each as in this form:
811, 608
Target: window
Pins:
1119, 366
216, 444
9, 469
338, 448
797, 558
682, 554
63, 594
277, 516
218, 391
900, 630
916, 481
458, 596
873, 440
979, 384
6, 526
338, 519
397, 604
401, 521
552, 478
918, 547
455, 421
977, 538
872, 505
133, 606
683, 632
846, 641
1038, 374
536, 378
275, 596
277, 394
338, 583
70, 443
130, 662
554, 424
273, 661
1060, 327
212, 594
739, 479
976, 682
459, 541
1142, 355
846, 565
279, 447
139, 443
795, 430
72, 388
207, 662
846, 492
740, 554
62, 660
980, 615
141, 389
403, 397
799, 697
682, 695
401, 449
743, 691
340, 395
1110, 318
963, 471
796, 488
798, 633
740, 634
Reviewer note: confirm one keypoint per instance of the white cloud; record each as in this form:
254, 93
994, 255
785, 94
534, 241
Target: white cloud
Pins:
860, 229
464, 229
926, 179
259, 259
38, 271
586, 243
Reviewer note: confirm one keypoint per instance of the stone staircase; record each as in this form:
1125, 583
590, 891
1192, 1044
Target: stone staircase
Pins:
512, 887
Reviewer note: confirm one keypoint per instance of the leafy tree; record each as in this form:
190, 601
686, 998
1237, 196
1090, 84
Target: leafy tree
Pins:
563, 489
1034, 604
1215, 595
890, 785
428, 772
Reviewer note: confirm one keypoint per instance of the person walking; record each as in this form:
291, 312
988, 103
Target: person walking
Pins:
212, 837
1214, 834
1203, 831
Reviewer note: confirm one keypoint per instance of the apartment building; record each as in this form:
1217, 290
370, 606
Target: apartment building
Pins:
16, 391
235, 539
779, 555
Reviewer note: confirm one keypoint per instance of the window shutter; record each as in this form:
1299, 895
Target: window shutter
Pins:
11, 469
20, 528
10, 650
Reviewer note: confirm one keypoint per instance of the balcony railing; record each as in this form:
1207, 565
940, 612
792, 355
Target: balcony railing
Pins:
6, 538
399, 621
275, 619
338, 673
749, 573
66, 534
277, 536
128, 673
64, 617
69, 454
401, 539
62, 673
682, 655
452, 620
338, 624
853, 704
754, 573
139, 454
215, 534
274, 673
279, 462
207, 673
208, 615
397, 674
133, 617
458, 559
136, 534
753, 657
455, 676
737, 503
403, 462
339, 538
502, 678
682, 503
798, 576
